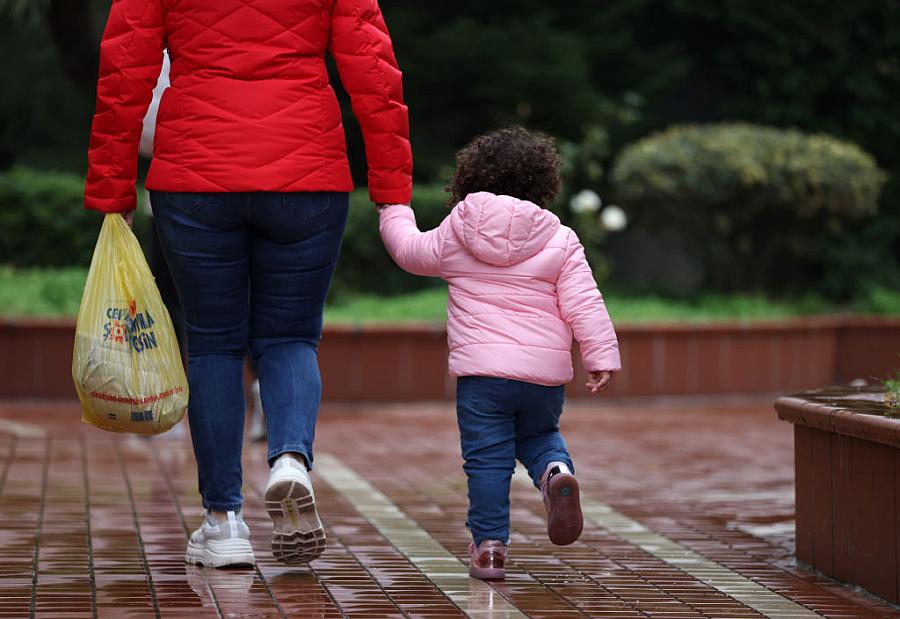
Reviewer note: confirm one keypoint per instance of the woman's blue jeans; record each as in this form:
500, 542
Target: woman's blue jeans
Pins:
501, 420
252, 271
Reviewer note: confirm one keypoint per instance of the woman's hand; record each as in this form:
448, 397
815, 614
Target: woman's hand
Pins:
129, 218
598, 381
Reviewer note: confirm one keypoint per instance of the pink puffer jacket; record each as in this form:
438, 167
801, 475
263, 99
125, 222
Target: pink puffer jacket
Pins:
520, 287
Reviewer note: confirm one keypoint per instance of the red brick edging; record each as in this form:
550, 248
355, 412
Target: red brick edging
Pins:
406, 363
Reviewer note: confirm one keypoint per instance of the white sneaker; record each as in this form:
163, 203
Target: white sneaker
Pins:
218, 544
298, 535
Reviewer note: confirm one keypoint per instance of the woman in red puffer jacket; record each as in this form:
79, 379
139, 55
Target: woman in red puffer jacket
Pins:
250, 107
249, 185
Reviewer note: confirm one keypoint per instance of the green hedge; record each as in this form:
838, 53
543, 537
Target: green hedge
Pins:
42, 220
758, 206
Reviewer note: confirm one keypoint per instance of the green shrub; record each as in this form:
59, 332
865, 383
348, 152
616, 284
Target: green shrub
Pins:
758, 205
42, 220
584, 167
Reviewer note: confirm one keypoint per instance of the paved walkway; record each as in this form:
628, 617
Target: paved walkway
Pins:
688, 514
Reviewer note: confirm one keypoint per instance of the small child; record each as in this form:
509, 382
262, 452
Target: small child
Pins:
520, 287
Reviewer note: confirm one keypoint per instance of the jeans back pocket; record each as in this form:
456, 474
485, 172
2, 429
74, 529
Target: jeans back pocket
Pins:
188, 201
307, 204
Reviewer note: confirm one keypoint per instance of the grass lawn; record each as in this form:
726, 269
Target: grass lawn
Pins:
57, 293
39, 292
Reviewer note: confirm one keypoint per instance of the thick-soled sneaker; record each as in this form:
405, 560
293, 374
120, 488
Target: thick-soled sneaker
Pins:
221, 544
487, 560
298, 536
563, 505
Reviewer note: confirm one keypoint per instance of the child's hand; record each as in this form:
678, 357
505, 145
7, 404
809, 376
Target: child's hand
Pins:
598, 381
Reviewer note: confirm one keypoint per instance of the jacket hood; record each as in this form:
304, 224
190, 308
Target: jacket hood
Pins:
502, 230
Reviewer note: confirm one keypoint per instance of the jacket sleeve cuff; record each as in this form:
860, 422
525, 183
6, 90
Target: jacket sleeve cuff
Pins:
603, 357
390, 196
110, 205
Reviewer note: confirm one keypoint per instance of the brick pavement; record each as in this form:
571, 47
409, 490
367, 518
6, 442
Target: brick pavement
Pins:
715, 480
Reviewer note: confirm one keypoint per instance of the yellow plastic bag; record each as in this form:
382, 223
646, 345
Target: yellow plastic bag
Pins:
126, 364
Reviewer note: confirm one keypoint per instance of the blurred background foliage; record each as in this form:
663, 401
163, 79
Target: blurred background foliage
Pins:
762, 204
599, 76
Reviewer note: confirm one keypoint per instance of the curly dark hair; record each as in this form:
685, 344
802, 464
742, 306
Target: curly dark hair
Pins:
511, 161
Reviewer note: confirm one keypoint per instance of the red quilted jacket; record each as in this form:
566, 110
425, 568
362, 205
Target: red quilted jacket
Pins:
250, 107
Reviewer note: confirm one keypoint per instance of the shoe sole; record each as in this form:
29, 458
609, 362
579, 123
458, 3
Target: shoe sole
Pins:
299, 536
227, 553
564, 519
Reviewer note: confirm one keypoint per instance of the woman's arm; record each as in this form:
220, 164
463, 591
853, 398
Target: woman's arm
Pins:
131, 54
361, 46
413, 251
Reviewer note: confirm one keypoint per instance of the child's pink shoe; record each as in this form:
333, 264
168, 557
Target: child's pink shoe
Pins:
487, 560
561, 500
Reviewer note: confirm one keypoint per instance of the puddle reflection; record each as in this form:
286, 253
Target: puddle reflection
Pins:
486, 603
205, 582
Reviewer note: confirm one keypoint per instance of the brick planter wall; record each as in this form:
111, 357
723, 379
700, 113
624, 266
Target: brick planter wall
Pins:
848, 482
36, 358
385, 363
410, 362
869, 347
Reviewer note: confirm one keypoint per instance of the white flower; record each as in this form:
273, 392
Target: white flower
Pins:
613, 218
585, 201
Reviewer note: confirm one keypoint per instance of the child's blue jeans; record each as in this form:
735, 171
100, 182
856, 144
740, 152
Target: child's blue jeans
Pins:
252, 271
501, 420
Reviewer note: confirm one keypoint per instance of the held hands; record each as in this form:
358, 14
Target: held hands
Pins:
381, 206
598, 381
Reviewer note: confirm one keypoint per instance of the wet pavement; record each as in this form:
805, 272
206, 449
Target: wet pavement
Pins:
689, 513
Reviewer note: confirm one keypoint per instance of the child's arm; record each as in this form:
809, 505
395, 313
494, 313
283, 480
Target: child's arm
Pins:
413, 251
581, 306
